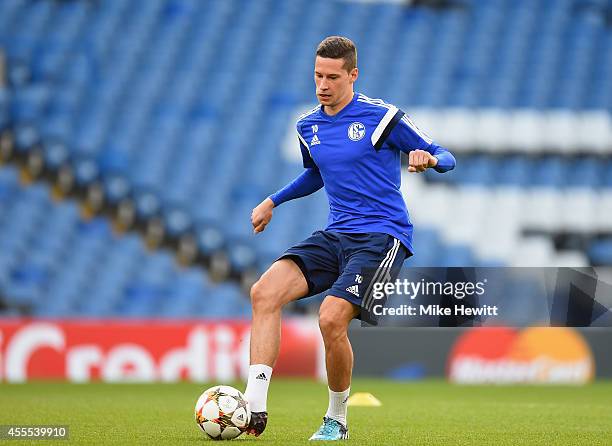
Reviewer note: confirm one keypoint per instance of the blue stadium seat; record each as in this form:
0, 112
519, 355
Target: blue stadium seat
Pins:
600, 251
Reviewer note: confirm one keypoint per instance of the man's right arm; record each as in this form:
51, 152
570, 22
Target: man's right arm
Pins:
307, 183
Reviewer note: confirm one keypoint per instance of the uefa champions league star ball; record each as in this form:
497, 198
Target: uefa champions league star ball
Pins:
222, 412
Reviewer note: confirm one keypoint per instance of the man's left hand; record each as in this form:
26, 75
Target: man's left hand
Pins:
420, 160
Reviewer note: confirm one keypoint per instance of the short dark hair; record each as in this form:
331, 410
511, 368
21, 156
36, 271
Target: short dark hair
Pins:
338, 47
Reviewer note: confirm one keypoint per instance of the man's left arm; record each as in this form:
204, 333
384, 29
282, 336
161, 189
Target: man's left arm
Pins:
434, 156
422, 152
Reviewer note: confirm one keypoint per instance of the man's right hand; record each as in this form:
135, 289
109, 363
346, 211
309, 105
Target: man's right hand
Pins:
261, 215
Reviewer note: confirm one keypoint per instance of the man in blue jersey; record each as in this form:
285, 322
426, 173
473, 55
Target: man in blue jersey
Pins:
351, 146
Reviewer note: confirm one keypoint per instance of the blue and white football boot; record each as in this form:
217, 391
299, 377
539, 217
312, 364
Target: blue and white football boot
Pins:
331, 430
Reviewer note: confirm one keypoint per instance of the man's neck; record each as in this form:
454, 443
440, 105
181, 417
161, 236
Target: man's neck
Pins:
338, 107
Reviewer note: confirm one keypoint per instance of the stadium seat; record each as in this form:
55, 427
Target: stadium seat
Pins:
600, 252
187, 114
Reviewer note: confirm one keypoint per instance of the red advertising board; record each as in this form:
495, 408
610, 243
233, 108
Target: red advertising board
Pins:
146, 350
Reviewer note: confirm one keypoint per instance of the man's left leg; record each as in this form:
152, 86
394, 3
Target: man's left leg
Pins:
335, 316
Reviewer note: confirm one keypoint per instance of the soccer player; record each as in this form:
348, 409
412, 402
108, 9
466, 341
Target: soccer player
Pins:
351, 146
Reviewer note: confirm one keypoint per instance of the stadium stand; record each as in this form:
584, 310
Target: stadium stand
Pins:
52, 263
171, 117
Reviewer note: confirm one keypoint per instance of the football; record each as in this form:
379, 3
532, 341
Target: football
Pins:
222, 412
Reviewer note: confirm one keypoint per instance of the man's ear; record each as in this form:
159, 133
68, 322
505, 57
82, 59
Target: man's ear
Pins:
354, 74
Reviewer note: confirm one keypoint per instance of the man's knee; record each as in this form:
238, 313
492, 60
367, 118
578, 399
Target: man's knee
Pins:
264, 298
334, 318
330, 327
282, 283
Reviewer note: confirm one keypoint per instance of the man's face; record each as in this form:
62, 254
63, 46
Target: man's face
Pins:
334, 84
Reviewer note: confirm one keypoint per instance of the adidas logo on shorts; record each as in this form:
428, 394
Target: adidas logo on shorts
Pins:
353, 290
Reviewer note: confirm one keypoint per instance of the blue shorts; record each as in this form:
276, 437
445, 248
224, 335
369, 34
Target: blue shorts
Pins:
348, 264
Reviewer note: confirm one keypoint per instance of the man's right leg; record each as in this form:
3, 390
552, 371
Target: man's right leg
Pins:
282, 283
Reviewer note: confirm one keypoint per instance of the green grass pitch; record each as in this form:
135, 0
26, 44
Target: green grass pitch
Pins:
416, 413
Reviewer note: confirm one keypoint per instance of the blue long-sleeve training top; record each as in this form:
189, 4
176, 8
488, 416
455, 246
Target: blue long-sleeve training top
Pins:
355, 155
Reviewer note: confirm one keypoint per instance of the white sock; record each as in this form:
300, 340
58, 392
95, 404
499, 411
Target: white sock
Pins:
256, 391
338, 405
